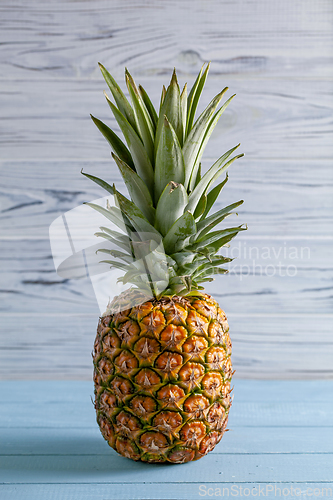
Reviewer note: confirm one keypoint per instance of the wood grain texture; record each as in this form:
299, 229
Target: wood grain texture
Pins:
53, 447
271, 118
180, 491
275, 276
247, 414
260, 468
43, 441
282, 198
277, 58
65, 38
54, 346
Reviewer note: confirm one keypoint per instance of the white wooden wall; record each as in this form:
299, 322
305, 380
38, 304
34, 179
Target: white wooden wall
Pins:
277, 57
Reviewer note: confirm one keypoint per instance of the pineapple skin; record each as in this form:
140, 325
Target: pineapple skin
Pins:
162, 373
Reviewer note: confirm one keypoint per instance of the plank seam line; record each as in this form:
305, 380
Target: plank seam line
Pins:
208, 159
306, 481
216, 453
231, 429
259, 237
160, 79
69, 237
230, 315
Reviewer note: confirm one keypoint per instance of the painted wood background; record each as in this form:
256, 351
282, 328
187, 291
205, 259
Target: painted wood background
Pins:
279, 446
278, 58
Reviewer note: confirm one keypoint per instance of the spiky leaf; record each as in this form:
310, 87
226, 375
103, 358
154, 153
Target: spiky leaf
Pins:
139, 154
194, 139
183, 105
205, 225
218, 167
136, 217
171, 108
169, 160
121, 101
194, 96
149, 105
213, 195
179, 234
116, 241
100, 182
143, 120
208, 133
113, 214
116, 144
137, 189
170, 206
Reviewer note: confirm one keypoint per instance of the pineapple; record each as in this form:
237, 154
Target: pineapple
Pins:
162, 354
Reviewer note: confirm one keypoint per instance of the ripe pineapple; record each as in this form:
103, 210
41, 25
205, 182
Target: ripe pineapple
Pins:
162, 366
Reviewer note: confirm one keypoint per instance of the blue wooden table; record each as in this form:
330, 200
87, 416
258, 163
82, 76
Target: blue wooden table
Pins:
280, 444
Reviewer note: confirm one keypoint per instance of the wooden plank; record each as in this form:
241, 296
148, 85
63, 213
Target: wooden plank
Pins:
249, 391
48, 405
152, 37
82, 414
287, 276
240, 440
34, 194
277, 115
115, 469
282, 346
271, 119
75, 462
181, 491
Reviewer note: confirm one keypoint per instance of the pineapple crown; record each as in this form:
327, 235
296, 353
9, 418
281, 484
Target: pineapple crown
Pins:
167, 244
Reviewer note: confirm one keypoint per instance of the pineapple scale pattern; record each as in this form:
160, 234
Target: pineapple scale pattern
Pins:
162, 374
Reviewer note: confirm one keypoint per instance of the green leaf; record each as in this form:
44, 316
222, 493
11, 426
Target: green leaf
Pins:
208, 133
119, 236
219, 270
170, 206
178, 235
198, 177
203, 280
116, 144
136, 217
207, 241
220, 260
142, 118
183, 257
100, 182
183, 105
162, 98
117, 254
208, 272
156, 264
201, 206
213, 242
194, 97
139, 154
119, 243
190, 268
148, 105
205, 225
170, 108
208, 268
169, 164
201, 188
137, 189
213, 195
110, 213
131, 277
116, 264
194, 139
121, 101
